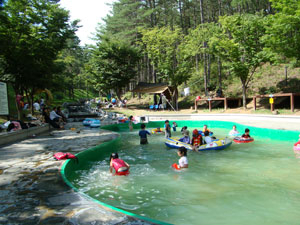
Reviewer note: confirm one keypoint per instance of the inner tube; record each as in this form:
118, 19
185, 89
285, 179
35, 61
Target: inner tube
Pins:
297, 146
243, 140
123, 173
175, 166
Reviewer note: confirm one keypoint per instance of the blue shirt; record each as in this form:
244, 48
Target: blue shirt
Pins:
143, 133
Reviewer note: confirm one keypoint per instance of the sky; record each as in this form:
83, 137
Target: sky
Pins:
90, 13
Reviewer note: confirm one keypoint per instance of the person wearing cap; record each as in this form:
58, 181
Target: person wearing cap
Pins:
186, 137
196, 140
120, 167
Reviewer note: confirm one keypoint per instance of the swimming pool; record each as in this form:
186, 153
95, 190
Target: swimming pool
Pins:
244, 184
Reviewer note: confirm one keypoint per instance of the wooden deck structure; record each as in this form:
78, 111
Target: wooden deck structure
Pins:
210, 100
274, 96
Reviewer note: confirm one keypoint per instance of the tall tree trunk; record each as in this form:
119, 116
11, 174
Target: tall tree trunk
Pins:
180, 11
205, 74
220, 7
154, 74
220, 72
201, 12
204, 45
17, 92
197, 63
208, 68
244, 94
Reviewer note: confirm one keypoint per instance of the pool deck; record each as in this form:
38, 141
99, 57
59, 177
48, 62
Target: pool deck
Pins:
256, 120
33, 192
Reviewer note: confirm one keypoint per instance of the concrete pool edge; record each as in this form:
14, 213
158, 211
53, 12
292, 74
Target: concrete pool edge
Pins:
119, 127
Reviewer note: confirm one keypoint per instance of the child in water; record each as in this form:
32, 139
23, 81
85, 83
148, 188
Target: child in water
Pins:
143, 134
174, 126
120, 167
246, 134
130, 123
183, 161
234, 131
186, 137
196, 139
207, 138
205, 129
167, 129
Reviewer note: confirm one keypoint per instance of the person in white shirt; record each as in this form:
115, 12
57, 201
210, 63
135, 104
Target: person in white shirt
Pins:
234, 131
183, 161
36, 106
207, 138
54, 116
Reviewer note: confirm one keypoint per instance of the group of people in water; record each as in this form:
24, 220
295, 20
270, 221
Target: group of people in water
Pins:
199, 137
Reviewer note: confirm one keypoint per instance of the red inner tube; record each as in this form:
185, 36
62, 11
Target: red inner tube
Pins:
242, 140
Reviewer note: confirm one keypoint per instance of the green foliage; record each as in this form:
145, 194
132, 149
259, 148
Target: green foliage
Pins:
282, 29
32, 34
162, 46
113, 64
240, 45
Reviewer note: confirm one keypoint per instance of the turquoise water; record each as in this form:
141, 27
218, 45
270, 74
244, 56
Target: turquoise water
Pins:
254, 183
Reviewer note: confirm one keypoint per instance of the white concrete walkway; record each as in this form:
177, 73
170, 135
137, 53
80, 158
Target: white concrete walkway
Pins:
263, 121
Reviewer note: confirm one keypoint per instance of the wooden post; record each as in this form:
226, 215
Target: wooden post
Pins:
225, 103
254, 103
209, 105
292, 102
272, 107
271, 101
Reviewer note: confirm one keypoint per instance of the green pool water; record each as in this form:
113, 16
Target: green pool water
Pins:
254, 183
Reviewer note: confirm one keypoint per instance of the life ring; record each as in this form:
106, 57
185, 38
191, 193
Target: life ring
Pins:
297, 146
243, 140
175, 166
123, 173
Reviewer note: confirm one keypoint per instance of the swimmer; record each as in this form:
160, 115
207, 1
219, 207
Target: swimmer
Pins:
143, 134
234, 131
120, 167
183, 161
246, 134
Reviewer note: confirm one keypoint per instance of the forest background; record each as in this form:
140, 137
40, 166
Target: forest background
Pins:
243, 47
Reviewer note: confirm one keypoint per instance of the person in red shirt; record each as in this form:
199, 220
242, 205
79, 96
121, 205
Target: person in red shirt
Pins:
120, 167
